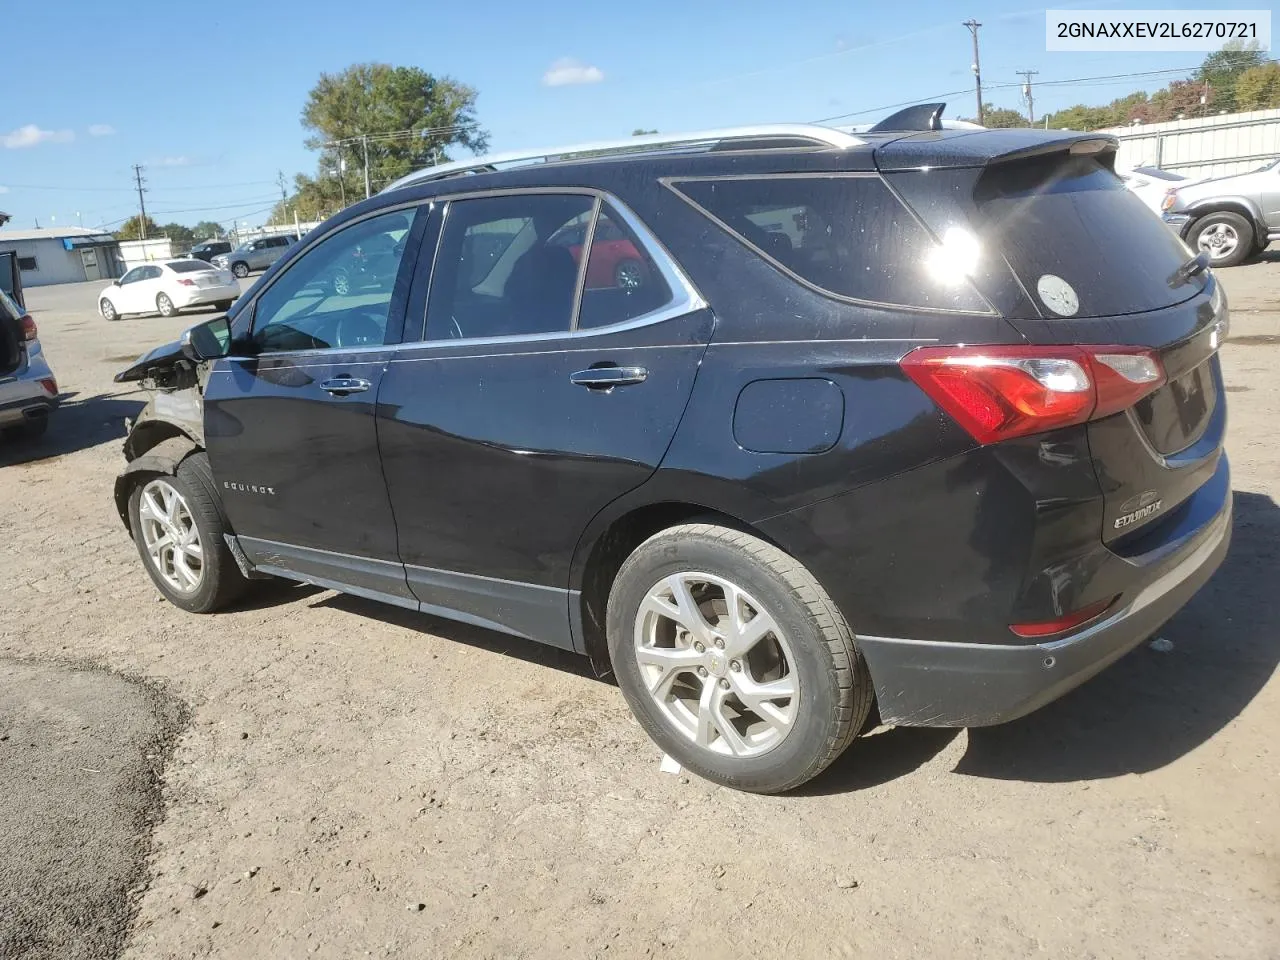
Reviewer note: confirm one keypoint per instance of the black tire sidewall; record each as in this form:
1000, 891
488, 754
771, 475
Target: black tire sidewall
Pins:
206, 516
1244, 229
115, 314
240, 270
793, 760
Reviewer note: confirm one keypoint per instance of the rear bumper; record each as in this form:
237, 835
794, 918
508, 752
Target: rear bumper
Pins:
943, 684
192, 296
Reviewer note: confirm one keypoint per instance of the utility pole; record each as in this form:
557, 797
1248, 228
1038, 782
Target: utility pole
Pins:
364, 142
973, 26
1026, 76
284, 195
142, 205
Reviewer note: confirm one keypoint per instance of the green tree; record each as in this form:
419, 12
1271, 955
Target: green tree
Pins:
183, 238
208, 230
641, 132
1258, 88
1002, 117
129, 229
373, 107
1222, 68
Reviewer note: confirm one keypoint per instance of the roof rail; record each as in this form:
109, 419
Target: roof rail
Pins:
648, 143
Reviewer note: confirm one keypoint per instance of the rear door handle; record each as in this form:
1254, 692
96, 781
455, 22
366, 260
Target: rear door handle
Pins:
343, 386
603, 378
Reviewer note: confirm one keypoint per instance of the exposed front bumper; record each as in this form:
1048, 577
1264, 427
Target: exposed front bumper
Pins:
1177, 222
938, 684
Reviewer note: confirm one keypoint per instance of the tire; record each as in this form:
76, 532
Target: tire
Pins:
833, 688
220, 581
165, 305
108, 310
1227, 237
629, 274
222, 306
341, 283
240, 269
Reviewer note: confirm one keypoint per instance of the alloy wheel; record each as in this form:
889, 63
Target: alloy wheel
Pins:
1219, 240
629, 275
170, 536
717, 664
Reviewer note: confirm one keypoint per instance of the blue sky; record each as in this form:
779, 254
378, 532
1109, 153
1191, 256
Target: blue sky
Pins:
208, 96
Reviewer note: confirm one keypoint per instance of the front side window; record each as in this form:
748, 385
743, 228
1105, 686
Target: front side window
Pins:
132, 275
335, 295
503, 267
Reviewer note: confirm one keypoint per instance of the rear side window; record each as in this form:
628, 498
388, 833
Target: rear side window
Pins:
622, 281
847, 235
1072, 221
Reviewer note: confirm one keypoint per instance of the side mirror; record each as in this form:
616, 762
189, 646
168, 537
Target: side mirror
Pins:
115, 283
207, 341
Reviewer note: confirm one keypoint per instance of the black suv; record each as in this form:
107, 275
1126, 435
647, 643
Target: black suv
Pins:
921, 426
209, 249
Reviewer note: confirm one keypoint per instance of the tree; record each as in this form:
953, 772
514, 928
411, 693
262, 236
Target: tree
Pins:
183, 238
1258, 88
129, 229
208, 230
1222, 68
642, 132
405, 118
1002, 117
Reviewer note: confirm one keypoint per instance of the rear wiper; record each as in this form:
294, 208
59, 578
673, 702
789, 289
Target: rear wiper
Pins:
1193, 267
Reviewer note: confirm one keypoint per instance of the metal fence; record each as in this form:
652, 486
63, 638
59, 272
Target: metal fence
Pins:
1202, 147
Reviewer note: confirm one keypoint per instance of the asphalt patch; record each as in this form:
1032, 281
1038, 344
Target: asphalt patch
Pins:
82, 752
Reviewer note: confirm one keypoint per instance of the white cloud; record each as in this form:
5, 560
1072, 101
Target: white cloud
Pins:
30, 135
567, 71
101, 129
180, 161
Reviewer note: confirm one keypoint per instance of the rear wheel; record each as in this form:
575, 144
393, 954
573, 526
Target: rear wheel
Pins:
165, 305
178, 526
107, 309
240, 269
222, 306
1227, 238
734, 659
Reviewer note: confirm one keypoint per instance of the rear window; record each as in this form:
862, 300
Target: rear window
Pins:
1073, 221
847, 235
188, 266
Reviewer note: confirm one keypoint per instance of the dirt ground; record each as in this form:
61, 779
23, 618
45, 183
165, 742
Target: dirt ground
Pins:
359, 780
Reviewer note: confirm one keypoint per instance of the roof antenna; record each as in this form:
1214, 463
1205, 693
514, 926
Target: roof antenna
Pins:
923, 116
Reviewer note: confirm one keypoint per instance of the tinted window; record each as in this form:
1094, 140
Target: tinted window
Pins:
334, 296
1074, 219
132, 275
847, 235
188, 266
622, 280
150, 273
501, 270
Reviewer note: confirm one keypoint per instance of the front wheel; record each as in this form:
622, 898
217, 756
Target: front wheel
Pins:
178, 526
165, 305
107, 309
1227, 238
241, 270
734, 659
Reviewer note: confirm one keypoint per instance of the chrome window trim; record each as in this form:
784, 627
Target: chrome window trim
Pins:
685, 298
670, 184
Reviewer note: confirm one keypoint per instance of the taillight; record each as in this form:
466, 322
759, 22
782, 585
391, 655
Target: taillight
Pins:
29, 331
50, 386
187, 283
1000, 392
1170, 198
1076, 618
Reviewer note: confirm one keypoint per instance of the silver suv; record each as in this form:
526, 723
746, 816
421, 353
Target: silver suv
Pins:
1229, 218
254, 255
28, 390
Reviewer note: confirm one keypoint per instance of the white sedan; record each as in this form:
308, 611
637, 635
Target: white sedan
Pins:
167, 287
1150, 184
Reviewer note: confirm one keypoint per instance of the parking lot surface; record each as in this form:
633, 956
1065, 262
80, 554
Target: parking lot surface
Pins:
356, 778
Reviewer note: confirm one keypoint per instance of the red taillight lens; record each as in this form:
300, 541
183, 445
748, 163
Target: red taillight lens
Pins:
29, 331
187, 283
1001, 392
1046, 628
50, 385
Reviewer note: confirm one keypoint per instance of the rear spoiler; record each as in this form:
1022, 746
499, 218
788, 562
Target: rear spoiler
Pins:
981, 148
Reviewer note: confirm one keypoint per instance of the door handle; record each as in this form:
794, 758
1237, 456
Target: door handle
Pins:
605, 378
343, 386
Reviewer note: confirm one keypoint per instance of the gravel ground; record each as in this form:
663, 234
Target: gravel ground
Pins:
358, 779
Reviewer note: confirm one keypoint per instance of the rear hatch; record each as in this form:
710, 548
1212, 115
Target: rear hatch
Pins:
1069, 256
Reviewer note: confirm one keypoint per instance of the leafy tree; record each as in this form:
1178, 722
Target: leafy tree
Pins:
208, 230
1222, 68
380, 102
129, 229
183, 238
641, 132
1002, 117
1258, 88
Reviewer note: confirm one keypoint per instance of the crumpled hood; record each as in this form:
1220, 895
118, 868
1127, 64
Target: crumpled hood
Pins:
163, 357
